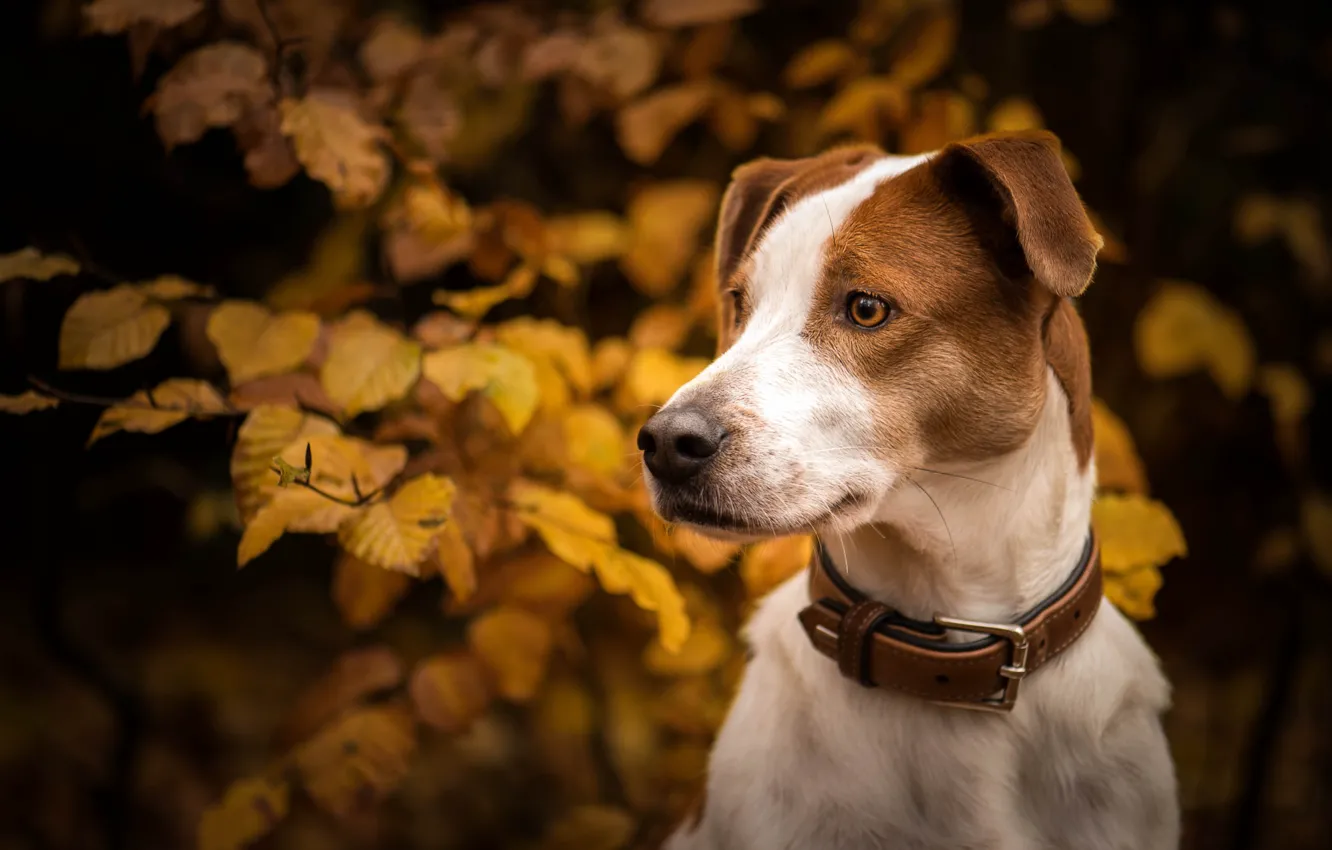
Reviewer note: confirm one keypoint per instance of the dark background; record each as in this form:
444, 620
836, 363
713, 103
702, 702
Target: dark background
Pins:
140, 669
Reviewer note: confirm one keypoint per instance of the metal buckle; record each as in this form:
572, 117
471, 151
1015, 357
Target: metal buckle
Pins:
1013, 671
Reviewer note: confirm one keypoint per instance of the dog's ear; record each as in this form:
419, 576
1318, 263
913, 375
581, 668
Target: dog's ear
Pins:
1021, 177
751, 200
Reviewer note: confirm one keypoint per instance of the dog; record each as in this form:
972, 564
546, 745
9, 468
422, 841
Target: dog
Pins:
902, 372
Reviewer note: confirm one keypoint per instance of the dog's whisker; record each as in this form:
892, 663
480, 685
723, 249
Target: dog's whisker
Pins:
942, 518
963, 477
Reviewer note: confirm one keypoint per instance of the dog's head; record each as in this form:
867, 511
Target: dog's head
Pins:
878, 314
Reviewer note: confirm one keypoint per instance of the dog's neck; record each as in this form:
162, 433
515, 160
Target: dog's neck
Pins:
984, 551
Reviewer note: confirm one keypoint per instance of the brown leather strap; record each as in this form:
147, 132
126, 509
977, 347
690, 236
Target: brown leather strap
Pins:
879, 647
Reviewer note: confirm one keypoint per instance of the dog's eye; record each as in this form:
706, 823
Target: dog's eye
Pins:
867, 311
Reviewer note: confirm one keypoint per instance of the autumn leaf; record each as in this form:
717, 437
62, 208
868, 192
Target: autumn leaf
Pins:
507, 379
706, 554
253, 342
475, 303
865, 108
249, 810
539, 340
587, 237
818, 63
653, 376
590, 827
212, 87
646, 127
585, 539
113, 16
705, 650
369, 364
665, 220
170, 403
353, 676
106, 329
767, 564
688, 13
391, 49
1184, 328
1291, 399
397, 534
266, 431
363, 593
1133, 591
514, 646
456, 563
1089, 11
31, 264
1137, 536
450, 691
1118, 466
594, 440
358, 759
28, 402
928, 52
337, 147
170, 287
334, 266
1014, 114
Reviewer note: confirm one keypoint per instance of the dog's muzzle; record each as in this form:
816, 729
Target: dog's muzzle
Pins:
679, 443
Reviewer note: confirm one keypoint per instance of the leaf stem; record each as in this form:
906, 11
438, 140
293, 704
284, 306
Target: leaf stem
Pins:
127, 403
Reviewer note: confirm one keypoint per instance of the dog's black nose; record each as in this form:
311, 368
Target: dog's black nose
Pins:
678, 442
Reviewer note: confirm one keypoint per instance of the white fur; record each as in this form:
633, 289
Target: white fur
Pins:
808, 759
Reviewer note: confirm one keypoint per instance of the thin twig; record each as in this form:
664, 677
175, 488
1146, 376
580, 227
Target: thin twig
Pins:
129, 403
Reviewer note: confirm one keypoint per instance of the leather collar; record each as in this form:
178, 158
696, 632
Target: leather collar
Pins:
879, 647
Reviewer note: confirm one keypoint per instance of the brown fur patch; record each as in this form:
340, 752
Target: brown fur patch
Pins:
1067, 353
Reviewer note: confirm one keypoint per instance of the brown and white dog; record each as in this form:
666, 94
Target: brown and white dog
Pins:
902, 372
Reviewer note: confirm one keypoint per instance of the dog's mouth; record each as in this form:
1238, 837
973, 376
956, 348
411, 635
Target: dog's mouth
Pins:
732, 524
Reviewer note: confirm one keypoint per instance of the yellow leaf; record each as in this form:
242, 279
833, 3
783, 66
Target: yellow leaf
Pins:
266, 431
369, 364
654, 375
364, 593
688, 13
29, 402
661, 326
766, 565
1118, 466
170, 287
610, 358
547, 340
212, 87
1014, 114
114, 16
588, 237
475, 303
1291, 400
436, 214
594, 440
358, 759
1316, 525
928, 53
249, 811
865, 108
171, 403
818, 63
450, 691
541, 583
585, 539
646, 127
106, 329
1134, 591
335, 264
1184, 328
707, 555
944, 117
252, 342
337, 147
456, 563
1089, 11
507, 379
590, 827
1135, 531
31, 264
515, 647
704, 651
397, 534
665, 220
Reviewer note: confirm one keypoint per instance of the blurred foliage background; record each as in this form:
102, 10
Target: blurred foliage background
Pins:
438, 164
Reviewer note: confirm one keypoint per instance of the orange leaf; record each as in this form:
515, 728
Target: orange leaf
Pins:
450, 691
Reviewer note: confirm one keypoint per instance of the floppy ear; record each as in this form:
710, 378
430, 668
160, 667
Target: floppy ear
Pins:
751, 200
1024, 177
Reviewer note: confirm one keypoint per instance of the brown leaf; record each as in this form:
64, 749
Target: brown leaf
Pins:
364, 593
269, 159
688, 13
818, 63
337, 147
113, 16
391, 49
645, 127
705, 50
928, 52
450, 691
618, 59
357, 760
354, 675
212, 87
